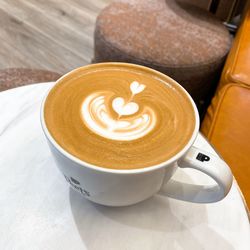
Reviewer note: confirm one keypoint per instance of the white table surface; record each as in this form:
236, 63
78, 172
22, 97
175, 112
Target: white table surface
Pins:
38, 210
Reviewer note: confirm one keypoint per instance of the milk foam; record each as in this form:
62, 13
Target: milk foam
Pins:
129, 123
102, 116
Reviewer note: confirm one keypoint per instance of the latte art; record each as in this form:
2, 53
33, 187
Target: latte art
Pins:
119, 116
129, 124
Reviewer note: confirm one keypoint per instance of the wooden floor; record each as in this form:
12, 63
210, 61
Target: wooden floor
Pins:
47, 34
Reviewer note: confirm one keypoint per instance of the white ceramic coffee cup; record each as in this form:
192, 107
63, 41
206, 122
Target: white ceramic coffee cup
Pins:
115, 187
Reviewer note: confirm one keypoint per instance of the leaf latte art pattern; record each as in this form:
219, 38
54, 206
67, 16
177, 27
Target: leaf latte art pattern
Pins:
131, 121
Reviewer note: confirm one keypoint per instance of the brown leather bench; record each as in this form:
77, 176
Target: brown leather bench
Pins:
227, 122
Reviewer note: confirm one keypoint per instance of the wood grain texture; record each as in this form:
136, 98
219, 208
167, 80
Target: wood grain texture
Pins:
53, 35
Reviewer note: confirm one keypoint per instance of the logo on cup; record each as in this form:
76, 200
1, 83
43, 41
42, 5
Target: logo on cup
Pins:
76, 185
202, 157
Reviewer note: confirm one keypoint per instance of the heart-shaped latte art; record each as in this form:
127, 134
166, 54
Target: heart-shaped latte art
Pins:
122, 108
136, 87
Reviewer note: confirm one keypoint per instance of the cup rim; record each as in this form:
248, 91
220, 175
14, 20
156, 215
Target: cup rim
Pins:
82, 163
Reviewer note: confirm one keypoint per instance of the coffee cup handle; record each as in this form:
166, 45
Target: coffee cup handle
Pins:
209, 164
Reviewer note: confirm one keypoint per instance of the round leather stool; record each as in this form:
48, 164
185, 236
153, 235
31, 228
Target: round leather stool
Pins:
183, 41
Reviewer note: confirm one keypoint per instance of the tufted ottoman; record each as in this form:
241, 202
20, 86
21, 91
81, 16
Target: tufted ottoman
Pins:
176, 38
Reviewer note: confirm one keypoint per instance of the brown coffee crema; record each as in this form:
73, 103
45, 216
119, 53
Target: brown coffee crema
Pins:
119, 116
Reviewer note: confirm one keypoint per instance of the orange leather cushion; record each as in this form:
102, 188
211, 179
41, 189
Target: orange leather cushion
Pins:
227, 126
237, 67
